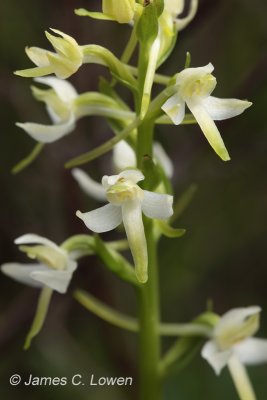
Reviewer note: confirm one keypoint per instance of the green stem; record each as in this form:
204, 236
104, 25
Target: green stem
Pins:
130, 47
149, 309
131, 324
21, 165
158, 78
105, 312
144, 142
149, 316
103, 148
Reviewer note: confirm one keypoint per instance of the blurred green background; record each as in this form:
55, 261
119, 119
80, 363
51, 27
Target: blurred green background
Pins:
222, 257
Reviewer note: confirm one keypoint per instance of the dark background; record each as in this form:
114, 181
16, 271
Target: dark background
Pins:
223, 255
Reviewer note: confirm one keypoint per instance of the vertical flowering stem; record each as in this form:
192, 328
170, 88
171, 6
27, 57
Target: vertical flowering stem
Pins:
149, 350
149, 310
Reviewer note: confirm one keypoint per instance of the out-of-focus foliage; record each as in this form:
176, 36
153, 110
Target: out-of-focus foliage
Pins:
223, 255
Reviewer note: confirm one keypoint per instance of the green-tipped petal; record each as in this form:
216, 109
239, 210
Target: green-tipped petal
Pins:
34, 72
209, 128
82, 12
133, 223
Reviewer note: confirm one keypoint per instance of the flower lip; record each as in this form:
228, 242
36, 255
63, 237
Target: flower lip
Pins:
196, 82
236, 325
123, 190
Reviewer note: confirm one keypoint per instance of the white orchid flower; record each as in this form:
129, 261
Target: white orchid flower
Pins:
123, 157
194, 86
127, 201
60, 106
64, 63
233, 345
53, 271
54, 268
65, 106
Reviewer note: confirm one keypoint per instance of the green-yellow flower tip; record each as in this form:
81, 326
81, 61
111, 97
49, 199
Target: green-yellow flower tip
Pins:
142, 276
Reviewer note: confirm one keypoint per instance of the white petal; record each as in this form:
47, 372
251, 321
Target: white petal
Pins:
123, 156
64, 89
189, 73
55, 279
36, 239
175, 7
133, 175
32, 238
102, 219
252, 351
181, 23
55, 118
220, 109
48, 133
216, 358
134, 227
22, 272
163, 159
209, 128
174, 107
156, 205
38, 56
88, 185
234, 319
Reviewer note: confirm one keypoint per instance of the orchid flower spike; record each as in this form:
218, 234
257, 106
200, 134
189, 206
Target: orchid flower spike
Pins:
232, 344
64, 63
123, 157
53, 271
127, 201
194, 86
